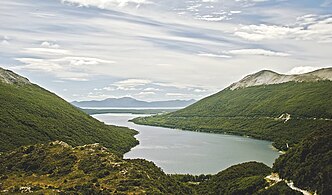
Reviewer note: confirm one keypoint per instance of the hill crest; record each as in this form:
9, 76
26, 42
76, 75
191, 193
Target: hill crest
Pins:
268, 77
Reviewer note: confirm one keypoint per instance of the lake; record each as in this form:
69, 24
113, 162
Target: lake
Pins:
178, 151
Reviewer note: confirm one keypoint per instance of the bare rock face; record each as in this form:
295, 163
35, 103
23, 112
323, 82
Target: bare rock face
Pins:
267, 77
9, 77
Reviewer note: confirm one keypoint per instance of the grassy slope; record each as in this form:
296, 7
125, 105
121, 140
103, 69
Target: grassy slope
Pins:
253, 111
309, 164
30, 114
91, 169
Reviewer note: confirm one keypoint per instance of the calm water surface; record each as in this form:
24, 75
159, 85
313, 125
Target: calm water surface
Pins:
177, 151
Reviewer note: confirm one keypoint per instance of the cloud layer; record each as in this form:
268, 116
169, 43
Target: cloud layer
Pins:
156, 49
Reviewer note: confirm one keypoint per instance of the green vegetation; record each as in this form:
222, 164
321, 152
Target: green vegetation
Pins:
309, 164
132, 111
280, 188
245, 178
58, 168
255, 111
91, 169
30, 114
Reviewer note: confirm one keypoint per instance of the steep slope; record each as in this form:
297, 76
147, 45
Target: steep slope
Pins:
30, 114
284, 113
57, 168
127, 102
309, 164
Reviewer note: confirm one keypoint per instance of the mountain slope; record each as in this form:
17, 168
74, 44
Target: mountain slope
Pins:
284, 113
127, 102
57, 168
308, 164
245, 178
30, 114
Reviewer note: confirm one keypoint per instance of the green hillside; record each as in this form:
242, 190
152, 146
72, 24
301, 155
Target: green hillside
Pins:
258, 111
30, 114
57, 168
309, 164
245, 178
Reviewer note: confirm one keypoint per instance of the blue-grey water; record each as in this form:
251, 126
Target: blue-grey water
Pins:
177, 151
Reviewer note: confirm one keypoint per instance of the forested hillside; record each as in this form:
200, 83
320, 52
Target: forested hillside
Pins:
57, 168
283, 113
309, 164
30, 114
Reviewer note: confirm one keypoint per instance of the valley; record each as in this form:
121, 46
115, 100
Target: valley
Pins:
96, 159
154, 97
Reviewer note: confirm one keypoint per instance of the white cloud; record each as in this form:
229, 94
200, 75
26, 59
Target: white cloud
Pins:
256, 1
199, 90
131, 83
174, 85
4, 42
80, 61
302, 69
257, 52
176, 94
209, 1
50, 45
67, 68
211, 18
307, 27
263, 31
145, 93
213, 55
106, 89
105, 4
46, 51
152, 89
235, 12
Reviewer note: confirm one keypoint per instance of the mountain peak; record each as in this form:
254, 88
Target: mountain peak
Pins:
9, 77
268, 77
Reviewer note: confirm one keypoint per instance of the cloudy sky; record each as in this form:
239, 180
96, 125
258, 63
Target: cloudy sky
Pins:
160, 49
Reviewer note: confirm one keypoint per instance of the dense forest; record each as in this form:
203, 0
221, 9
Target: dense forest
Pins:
309, 164
282, 113
30, 114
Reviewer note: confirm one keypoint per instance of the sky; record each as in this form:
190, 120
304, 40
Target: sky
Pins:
160, 49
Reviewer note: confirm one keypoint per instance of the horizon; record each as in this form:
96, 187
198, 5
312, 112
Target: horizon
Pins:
155, 50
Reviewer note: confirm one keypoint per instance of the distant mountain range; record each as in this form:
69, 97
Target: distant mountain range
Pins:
128, 102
